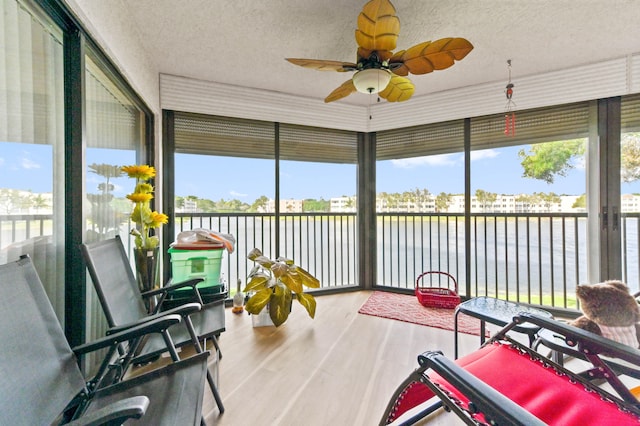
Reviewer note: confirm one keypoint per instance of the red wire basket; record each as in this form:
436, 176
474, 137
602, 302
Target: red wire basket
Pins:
438, 297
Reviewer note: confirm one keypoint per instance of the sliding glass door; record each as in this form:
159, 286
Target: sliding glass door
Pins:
32, 186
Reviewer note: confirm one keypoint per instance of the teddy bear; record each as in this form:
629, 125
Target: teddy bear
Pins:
609, 310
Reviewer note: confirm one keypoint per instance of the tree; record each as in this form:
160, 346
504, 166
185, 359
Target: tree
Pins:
421, 198
206, 206
384, 200
39, 202
443, 201
13, 200
580, 203
630, 157
547, 160
179, 202
485, 198
260, 204
350, 202
526, 201
548, 199
312, 205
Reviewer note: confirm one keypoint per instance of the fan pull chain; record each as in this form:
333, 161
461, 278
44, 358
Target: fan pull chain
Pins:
510, 115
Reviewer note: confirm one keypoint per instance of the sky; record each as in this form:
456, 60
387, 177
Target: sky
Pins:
28, 167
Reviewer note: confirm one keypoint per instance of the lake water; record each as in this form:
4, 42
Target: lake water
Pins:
533, 257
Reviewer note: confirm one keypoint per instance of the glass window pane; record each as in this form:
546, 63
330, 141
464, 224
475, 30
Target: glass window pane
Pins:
420, 209
630, 190
229, 195
528, 213
114, 138
32, 144
318, 228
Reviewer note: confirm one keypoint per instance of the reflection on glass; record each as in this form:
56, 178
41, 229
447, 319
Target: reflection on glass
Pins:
114, 136
32, 145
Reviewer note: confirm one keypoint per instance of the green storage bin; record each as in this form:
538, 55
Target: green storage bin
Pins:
189, 264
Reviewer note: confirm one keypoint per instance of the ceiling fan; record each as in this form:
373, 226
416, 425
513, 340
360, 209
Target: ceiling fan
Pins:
378, 69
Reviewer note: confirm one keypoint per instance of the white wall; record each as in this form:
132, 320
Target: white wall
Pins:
111, 27
113, 30
593, 81
115, 33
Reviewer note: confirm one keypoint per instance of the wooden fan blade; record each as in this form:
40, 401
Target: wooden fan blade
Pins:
378, 26
399, 89
431, 56
323, 65
343, 91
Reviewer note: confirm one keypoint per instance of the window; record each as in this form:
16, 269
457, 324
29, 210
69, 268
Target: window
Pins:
630, 189
114, 136
420, 170
259, 174
32, 190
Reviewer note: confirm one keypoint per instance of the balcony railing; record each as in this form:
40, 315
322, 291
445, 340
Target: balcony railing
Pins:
532, 258
322, 243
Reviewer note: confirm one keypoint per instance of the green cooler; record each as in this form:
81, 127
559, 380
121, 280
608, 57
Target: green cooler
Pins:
196, 263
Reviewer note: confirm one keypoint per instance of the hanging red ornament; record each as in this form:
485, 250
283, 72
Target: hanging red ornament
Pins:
510, 124
510, 115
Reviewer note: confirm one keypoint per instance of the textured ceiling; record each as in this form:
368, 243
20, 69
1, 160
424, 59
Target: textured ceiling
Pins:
244, 42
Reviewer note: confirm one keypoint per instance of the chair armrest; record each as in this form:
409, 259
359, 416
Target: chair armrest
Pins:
182, 310
586, 341
168, 288
494, 405
116, 413
154, 326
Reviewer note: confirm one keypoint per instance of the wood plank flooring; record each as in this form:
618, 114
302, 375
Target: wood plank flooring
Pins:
337, 369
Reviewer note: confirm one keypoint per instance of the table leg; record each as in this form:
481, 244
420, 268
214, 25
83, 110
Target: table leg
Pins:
455, 334
557, 357
482, 332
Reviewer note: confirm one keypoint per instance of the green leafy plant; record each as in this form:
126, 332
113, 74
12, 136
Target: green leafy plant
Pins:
274, 282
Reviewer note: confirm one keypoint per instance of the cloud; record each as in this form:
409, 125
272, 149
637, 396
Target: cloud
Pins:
432, 160
29, 164
443, 159
237, 194
485, 153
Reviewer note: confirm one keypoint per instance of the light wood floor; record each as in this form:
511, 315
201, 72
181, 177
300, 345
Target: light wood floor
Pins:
337, 369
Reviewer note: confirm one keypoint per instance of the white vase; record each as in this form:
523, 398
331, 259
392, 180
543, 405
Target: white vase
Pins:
263, 319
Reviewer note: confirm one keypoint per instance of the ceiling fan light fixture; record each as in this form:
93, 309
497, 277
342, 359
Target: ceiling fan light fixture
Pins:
371, 80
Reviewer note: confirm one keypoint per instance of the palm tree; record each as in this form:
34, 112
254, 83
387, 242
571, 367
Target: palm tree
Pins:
443, 201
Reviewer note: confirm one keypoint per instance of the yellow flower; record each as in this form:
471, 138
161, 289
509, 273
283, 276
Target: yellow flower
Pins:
141, 172
158, 219
145, 219
144, 188
139, 197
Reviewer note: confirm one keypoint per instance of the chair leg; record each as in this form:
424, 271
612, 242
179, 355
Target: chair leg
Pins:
198, 347
215, 343
214, 390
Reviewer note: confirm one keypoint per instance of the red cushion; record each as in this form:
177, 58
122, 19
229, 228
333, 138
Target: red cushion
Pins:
539, 389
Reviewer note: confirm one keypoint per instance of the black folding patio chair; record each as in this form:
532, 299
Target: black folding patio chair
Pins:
123, 305
507, 383
41, 382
